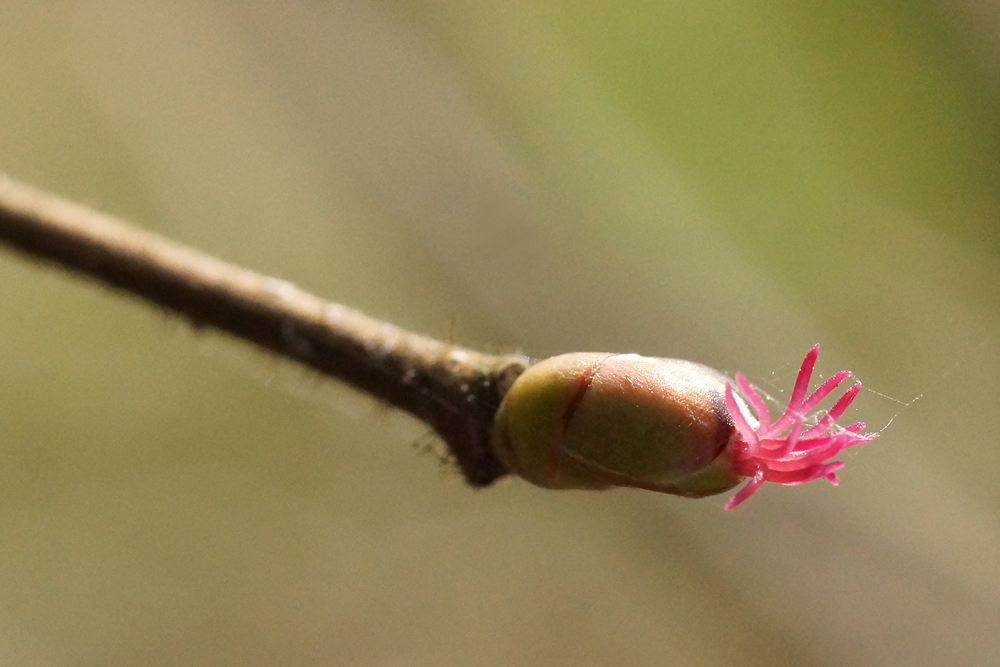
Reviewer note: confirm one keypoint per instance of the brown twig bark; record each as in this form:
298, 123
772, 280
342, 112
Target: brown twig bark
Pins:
454, 390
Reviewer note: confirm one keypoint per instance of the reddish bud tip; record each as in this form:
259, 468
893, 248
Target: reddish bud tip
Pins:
788, 451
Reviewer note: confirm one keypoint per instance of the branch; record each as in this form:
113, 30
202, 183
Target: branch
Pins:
454, 390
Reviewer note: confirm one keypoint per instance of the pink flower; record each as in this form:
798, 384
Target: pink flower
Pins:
797, 447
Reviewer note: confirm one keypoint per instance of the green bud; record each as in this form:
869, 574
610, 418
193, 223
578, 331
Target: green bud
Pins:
594, 421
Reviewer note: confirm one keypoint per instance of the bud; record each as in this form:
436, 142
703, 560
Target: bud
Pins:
595, 421
592, 421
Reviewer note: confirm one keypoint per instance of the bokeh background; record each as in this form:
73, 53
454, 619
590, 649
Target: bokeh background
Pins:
720, 181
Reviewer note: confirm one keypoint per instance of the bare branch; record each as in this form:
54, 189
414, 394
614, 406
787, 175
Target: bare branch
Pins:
454, 390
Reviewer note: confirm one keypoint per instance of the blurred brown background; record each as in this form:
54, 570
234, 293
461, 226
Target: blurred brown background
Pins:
721, 181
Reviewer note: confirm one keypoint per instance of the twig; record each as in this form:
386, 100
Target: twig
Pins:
454, 390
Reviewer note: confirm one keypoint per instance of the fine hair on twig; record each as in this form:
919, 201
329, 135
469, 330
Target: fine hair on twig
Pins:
456, 391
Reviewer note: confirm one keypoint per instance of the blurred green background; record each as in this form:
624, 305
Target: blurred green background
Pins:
720, 181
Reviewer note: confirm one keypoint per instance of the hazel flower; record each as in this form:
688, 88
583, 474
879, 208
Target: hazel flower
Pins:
791, 450
597, 420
